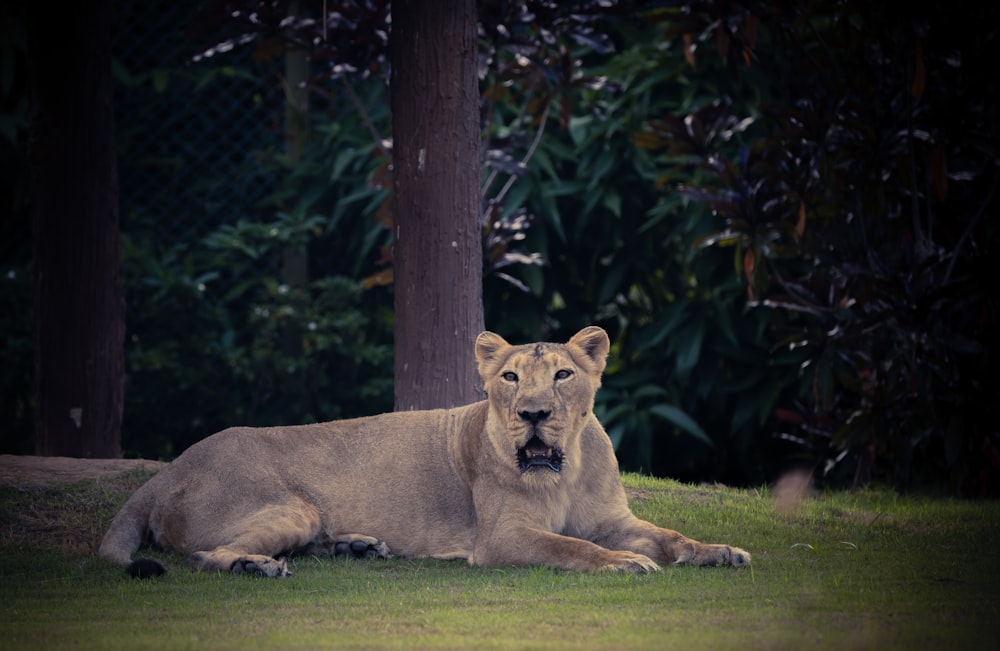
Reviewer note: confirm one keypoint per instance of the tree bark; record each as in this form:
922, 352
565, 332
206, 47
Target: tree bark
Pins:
437, 255
295, 259
78, 293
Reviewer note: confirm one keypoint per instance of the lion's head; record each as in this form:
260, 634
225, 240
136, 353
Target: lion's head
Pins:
540, 397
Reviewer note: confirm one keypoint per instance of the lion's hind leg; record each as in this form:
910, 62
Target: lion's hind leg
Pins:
227, 559
250, 544
352, 545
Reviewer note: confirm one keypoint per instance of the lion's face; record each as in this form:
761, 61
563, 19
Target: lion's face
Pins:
540, 397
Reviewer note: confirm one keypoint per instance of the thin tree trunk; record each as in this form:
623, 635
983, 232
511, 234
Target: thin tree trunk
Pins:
295, 259
79, 297
437, 257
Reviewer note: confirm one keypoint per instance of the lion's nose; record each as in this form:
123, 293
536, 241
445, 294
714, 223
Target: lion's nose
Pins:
534, 417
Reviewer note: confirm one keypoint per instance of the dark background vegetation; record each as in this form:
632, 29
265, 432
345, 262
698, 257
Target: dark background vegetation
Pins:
784, 214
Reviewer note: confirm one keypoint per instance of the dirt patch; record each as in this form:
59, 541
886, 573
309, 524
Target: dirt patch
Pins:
638, 493
25, 471
63, 502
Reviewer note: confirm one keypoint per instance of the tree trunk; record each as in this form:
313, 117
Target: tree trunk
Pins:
295, 259
437, 256
78, 292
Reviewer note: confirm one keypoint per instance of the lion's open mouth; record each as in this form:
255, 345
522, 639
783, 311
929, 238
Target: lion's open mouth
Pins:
536, 454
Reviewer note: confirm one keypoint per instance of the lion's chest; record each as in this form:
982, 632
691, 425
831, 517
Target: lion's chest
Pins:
536, 507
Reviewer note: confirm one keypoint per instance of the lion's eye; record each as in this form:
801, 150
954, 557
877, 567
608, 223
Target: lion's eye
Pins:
510, 376
562, 374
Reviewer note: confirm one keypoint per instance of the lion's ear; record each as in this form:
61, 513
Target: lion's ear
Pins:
488, 345
594, 342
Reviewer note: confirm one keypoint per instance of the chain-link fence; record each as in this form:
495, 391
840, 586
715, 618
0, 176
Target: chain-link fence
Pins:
187, 134
243, 305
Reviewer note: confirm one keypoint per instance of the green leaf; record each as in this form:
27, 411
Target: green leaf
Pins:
553, 217
542, 160
615, 434
724, 321
648, 390
690, 348
664, 208
612, 282
823, 383
160, 78
578, 128
745, 409
614, 414
344, 157
601, 168
533, 278
680, 419
666, 323
613, 202
120, 73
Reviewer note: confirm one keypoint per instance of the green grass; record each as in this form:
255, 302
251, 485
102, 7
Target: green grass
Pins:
842, 571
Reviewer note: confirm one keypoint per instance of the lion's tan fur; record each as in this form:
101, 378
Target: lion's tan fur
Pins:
440, 483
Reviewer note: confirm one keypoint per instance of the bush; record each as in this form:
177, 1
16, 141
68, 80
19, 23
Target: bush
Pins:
856, 216
263, 320
245, 349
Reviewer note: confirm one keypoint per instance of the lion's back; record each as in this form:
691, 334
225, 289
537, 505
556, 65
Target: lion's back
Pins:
391, 476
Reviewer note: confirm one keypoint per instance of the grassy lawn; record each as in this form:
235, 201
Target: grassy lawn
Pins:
865, 570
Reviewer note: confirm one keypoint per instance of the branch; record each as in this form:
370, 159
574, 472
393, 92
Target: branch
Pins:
360, 108
524, 161
362, 113
493, 174
968, 229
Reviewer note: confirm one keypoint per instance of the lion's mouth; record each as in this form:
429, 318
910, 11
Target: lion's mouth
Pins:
536, 454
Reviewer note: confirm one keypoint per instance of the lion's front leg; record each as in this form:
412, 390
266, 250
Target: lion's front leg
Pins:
697, 553
528, 546
669, 547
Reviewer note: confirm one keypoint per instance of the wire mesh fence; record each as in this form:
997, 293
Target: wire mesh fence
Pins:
243, 301
188, 135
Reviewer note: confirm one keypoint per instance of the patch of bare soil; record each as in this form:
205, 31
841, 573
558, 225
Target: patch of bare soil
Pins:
64, 502
25, 471
638, 493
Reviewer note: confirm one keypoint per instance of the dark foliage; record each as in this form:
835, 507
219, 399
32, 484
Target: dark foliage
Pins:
861, 212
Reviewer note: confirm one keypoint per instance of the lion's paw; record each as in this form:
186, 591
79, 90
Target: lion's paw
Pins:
360, 546
632, 563
261, 566
739, 557
715, 555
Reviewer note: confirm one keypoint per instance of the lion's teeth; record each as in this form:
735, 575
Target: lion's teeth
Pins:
537, 452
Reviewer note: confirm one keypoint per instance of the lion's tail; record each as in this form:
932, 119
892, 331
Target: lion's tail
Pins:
128, 531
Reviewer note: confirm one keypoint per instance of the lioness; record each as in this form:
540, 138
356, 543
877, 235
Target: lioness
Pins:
526, 477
